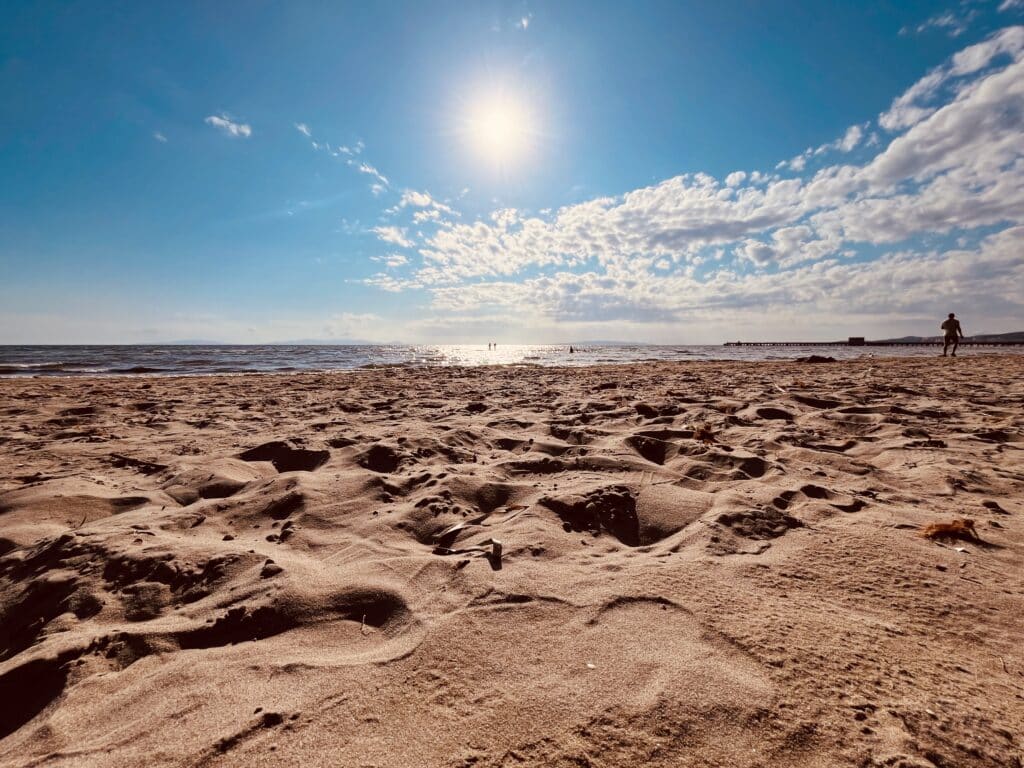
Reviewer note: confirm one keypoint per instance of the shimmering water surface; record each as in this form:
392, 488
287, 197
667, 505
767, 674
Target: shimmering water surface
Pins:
209, 359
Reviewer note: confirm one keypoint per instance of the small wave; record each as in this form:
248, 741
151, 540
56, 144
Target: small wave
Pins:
140, 369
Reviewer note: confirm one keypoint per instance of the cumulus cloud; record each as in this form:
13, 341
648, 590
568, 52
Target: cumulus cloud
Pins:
925, 96
228, 126
303, 129
431, 214
890, 233
393, 235
411, 197
735, 178
851, 138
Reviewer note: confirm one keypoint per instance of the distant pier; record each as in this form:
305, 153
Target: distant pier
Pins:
860, 342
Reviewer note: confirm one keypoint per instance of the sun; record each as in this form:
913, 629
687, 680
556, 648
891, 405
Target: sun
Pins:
499, 127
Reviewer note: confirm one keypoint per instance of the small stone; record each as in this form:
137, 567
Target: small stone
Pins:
270, 568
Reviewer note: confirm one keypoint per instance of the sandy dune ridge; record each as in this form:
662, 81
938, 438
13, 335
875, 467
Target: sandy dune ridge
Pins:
701, 564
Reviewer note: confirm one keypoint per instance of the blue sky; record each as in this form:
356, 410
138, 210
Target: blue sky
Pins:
676, 172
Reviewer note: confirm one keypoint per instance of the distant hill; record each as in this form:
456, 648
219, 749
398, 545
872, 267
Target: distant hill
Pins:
608, 343
286, 343
1015, 336
190, 343
328, 343
1012, 336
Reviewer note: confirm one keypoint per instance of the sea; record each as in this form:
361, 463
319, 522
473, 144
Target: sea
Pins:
207, 359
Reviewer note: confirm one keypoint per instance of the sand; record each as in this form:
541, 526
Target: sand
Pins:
701, 564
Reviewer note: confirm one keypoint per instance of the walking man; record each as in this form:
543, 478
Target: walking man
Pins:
953, 334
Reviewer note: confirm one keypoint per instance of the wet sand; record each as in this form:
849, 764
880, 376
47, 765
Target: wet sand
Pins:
698, 564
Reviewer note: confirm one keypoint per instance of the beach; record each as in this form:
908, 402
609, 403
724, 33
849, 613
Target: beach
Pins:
698, 563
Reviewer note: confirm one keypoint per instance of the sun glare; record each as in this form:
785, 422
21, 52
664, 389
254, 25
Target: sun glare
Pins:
499, 128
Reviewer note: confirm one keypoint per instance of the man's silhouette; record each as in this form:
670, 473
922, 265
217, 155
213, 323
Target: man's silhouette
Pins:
951, 327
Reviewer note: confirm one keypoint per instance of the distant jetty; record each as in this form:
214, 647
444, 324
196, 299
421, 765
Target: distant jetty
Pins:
859, 341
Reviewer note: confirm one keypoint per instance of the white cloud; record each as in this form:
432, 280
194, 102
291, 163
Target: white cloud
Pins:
851, 138
428, 208
228, 126
922, 98
735, 178
371, 171
303, 129
417, 199
694, 247
524, 21
954, 24
393, 235
159, 137
845, 143
392, 260
431, 214
390, 283
1008, 5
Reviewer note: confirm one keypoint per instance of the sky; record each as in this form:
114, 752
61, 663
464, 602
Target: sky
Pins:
463, 172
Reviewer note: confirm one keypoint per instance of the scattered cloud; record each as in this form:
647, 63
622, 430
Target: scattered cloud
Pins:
1010, 5
411, 197
524, 21
431, 214
159, 137
953, 23
303, 129
394, 235
392, 260
845, 143
947, 81
932, 215
370, 171
228, 126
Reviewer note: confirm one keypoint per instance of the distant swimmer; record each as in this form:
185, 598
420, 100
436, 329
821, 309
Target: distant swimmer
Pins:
571, 350
953, 333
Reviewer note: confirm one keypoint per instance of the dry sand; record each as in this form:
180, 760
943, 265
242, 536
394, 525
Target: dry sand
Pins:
243, 570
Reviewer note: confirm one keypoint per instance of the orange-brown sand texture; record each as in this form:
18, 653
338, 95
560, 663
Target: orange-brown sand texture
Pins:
702, 564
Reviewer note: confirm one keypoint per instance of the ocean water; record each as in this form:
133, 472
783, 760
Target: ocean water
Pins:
94, 360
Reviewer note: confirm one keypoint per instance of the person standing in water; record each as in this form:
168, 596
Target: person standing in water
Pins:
953, 333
